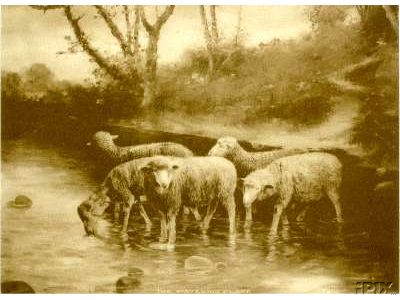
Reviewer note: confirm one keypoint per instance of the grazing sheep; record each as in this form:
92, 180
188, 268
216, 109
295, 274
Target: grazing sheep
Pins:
246, 162
295, 179
124, 185
194, 182
105, 142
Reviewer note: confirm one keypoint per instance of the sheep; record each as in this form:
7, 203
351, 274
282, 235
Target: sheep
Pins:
105, 143
194, 182
123, 185
247, 162
298, 179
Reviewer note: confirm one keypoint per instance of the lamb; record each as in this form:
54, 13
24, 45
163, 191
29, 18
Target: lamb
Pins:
194, 182
105, 143
124, 185
247, 162
294, 179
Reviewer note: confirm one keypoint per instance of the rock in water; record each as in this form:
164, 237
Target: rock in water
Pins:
21, 201
198, 264
220, 266
135, 272
126, 285
16, 287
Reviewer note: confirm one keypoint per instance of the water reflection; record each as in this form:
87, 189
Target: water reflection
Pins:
46, 245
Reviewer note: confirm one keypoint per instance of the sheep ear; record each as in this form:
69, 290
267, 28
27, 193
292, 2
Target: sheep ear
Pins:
114, 137
145, 169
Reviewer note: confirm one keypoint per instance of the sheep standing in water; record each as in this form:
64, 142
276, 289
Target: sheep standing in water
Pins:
247, 162
123, 186
194, 182
244, 161
105, 143
295, 179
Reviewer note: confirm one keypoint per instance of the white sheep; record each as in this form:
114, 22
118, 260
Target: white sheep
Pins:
295, 179
247, 162
123, 186
194, 182
105, 143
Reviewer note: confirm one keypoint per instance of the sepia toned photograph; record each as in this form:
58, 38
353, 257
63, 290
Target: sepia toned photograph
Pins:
199, 149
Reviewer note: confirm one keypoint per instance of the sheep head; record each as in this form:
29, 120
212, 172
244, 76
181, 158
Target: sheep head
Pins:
160, 173
92, 209
101, 138
224, 147
257, 188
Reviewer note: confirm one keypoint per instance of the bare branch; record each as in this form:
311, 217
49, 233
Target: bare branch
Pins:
164, 17
136, 46
238, 27
214, 28
114, 29
209, 44
46, 7
204, 21
111, 69
128, 25
146, 24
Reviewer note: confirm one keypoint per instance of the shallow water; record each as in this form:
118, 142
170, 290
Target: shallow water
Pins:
46, 245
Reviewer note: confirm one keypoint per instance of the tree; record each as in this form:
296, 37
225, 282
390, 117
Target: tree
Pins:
126, 68
239, 30
211, 38
378, 22
153, 31
38, 78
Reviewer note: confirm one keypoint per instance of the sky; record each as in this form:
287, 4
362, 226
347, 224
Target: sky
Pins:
30, 36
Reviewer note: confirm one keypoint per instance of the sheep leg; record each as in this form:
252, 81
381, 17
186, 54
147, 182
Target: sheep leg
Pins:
278, 210
127, 211
302, 214
249, 217
334, 197
186, 210
285, 220
117, 209
171, 230
231, 209
212, 207
195, 213
146, 218
163, 222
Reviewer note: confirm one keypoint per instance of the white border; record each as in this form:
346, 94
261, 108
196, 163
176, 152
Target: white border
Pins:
198, 296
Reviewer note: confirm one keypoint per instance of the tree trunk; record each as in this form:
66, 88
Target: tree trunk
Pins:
150, 70
209, 43
150, 84
239, 27
136, 45
214, 28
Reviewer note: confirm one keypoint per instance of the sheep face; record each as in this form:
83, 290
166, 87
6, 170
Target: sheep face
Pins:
223, 147
104, 137
256, 190
161, 174
91, 210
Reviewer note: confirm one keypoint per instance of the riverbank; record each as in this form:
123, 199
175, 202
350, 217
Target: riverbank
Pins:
335, 132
